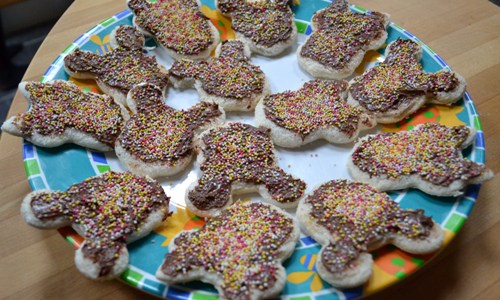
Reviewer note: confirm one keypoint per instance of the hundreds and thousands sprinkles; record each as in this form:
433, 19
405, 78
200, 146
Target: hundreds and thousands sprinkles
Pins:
431, 151
158, 132
398, 79
60, 105
340, 34
266, 23
230, 75
176, 24
240, 153
357, 216
242, 247
318, 104
107, 208
122, 68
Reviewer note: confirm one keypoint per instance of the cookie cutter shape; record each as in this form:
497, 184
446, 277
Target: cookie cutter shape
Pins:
267, 27
397, 87
427, 157
340, 39
119, 70
239, 158
239, 251
178, 26
318, 110
108, 211
59, 112
349, 219
157, 140
229, 79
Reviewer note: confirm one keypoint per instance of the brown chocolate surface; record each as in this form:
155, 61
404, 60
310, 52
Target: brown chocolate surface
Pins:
318, 104
399, 80
108, 207
431, 151
178, 25
159, 133
275, 19
241, 246
59, 105
357, 216
229, 75
240, 153
340, 34
123, 67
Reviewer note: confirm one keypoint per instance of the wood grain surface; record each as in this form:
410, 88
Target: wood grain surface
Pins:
38, 264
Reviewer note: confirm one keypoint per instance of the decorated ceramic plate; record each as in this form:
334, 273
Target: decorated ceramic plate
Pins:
60, 167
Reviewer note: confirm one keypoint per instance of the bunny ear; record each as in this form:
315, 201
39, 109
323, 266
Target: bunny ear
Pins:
82, 61
137, 6
288, 3
102, 262
403, 52
144, 96
229, 6
235, 49
45, 209
128, 37
322, 20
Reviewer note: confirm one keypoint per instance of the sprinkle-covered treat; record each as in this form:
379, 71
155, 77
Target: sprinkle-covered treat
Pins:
427, 157
108, 211
397, 87
267, 27
340, 39
177, 25
229, 79
350, 218
239, 158
121, 69
59, 112
318, 110
157, 140
240, 252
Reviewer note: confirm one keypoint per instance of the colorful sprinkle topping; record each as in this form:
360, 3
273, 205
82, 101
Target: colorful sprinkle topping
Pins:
399, 79
341, 34
266, 23
123, 67
242, 153
176, 24
230, 75
241, 246
157, 132
430, 150
61, 105
318, 104
108, 208
357, 215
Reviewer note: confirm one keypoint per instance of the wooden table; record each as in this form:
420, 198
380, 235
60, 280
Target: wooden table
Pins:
38, 264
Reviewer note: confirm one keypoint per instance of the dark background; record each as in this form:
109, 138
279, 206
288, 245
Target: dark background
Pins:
23, 27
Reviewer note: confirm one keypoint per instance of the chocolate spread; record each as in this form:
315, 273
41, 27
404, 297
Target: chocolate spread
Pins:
108, 207
240, 153
341, 34
318, 104
158, 132
431, 151
357, 216
274, 18
123, 67
399, 80
59, 105
240, 246
230, 75
176, 24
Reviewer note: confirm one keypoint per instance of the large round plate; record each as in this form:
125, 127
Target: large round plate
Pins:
60, 167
